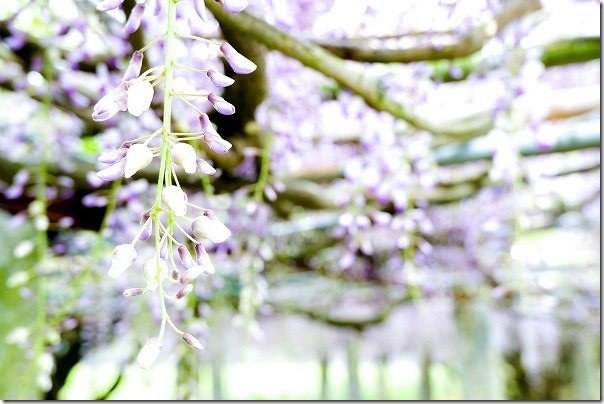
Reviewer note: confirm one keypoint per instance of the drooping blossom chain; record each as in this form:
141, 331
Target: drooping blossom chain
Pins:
135, 94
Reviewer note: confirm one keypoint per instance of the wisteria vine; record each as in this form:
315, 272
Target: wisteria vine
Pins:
135, 94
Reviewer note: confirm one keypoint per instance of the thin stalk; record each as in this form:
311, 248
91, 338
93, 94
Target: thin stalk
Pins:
153, 42
198, 38
190, 104
264, 168
192, 94
165, 150
192, 69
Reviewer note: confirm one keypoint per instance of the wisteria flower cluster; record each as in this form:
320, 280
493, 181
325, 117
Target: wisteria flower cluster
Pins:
135, 94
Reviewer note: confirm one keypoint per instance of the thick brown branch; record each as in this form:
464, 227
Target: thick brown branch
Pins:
317, 58
473, 41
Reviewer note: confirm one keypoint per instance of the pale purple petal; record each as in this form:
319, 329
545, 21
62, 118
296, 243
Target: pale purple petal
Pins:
233, 6
219, 79
239, 63
134, 21
113, 172
221, 105
216, 143
200, 8
107, 5
134, 68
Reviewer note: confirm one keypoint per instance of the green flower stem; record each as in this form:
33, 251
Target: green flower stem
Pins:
198, 38
153, 42
165, 174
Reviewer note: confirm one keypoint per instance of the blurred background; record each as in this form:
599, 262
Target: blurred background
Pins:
415, 206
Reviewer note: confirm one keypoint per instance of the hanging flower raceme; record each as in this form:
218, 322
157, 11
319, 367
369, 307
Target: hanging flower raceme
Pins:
160, 223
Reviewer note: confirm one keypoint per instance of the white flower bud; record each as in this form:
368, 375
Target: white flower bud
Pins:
191, 340
149, 353
221, 105
208, 226
124, 256
185, 257
184, 291
175, 200
216, 143
151, 274
206, 124
140, 95
205, 168
233, 6
191, 274
133, 292
138, 157
134, 68
219, 79
183, 154
239, 63
163, 250
148, 231
134, 21
203, 259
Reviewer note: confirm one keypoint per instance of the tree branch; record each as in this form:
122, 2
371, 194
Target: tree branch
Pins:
317, 58
473, 41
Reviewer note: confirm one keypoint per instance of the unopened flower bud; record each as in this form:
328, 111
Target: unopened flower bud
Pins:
138, 157
133, 292
208, 226
123, 257
239, 63
107, 5
140, 95
219, 79
134, 21
149, 353
112, 172
221, 105
191, 340
205, 168
151, 273
200, 9
216, 143
134, 68
192, 274
183, 154
185, 257
206, 124
163, 250
175, 200
184, 291
146, 234
112, 156
233, 6
203, 259
175, 274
